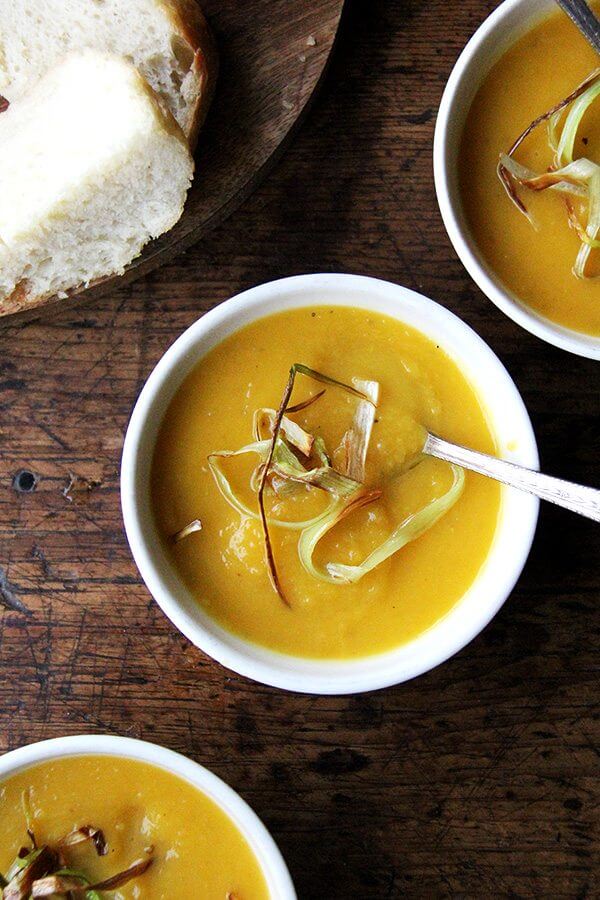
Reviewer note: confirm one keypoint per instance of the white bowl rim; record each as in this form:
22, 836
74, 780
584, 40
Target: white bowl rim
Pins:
553, 333
429, 649
263, 846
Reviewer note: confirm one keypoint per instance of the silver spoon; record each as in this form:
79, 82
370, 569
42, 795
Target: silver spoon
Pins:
576, 497
584, 18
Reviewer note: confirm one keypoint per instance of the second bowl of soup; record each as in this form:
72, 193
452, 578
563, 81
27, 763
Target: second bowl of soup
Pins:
516, 161
275, 495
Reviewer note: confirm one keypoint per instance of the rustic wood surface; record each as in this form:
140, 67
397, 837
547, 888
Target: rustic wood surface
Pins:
272, 57
478, 779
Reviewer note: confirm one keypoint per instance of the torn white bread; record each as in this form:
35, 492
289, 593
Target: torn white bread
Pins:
167, 40
91, 167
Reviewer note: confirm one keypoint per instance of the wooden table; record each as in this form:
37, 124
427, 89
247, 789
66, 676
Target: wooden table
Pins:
476, 780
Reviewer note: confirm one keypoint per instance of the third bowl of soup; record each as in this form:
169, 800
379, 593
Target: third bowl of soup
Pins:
517, 171
97, 816
278, 504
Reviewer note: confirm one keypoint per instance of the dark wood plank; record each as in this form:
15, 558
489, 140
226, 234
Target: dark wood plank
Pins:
272, 57
478, 779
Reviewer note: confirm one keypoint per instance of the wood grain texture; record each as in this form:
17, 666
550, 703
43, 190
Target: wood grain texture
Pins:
479, 779
272, 57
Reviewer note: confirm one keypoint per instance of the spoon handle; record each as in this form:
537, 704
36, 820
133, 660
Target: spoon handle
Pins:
584, 18
576, 497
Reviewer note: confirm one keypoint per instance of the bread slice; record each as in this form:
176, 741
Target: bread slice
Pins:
167, 40
91, 167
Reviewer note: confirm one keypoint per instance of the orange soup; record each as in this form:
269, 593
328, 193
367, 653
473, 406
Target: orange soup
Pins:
535, 262
330, 606
142, 813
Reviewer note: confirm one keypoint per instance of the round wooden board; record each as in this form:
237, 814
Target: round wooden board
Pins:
273, 54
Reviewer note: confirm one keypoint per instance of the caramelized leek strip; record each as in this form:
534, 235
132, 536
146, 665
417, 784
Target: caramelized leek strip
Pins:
86, 833
291, 473
552, 114
261, 449
295, 434
70, 881
89, 893
26, 869
566, 144
592, 228
323, 476
304, 404
357, 438
64, 882
190, 528
408, 530
534, 181
283, 484
134, 870
578, 227
570, 179
557, 109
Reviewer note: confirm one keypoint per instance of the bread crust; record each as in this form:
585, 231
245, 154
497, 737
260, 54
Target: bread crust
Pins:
18, 300
190, 24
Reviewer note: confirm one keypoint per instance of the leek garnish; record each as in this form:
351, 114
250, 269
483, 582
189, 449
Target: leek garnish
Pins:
356, 440
83, 834
297, 368
291, 458
408, 530
41, 871
573, 177
294, 434
28, 816
190, 528
261, 448
305, 403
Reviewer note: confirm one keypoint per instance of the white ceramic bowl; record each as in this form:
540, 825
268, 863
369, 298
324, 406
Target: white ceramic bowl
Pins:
514, 534
262, 844
507, 23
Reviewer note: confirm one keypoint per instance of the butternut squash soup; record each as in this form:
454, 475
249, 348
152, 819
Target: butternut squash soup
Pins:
291, 494
120, 826
532, 194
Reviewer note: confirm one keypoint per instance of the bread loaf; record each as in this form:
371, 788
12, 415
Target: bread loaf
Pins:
91, 167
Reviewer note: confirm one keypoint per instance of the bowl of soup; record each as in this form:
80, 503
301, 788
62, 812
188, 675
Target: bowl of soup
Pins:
116, 814
527, 236
368, 563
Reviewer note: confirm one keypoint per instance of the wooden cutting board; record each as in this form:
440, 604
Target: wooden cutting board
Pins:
273, 54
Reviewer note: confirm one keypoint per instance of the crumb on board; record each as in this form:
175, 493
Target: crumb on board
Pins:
79, 485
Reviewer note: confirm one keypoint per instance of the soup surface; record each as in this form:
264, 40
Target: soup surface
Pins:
198, 851
538, 71
224, 564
